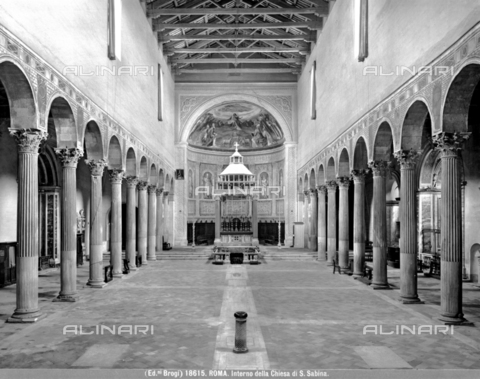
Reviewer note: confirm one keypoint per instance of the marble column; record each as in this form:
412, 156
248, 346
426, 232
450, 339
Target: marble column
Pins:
343, 223
313, 220
218, 220
332, 222
408, 226
159, 193
449, 145
131, 238
380, 170
322, 222
68, 262
152, 222
166, 207
142, 221
358, 177
306, 236
27, 309
116, 177
255, 240
96, 279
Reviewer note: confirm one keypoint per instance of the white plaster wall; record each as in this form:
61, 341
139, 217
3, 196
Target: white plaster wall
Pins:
74, 33
401, 33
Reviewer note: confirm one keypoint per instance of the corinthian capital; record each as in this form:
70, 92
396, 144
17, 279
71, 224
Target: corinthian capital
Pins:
343, 182
159, 191
132, 181
116, 176
332, 185
450, 143
379, 168
28, 140
142, 185
152, 189
97, 167
407, 159
69, 156
322, 189
358, 176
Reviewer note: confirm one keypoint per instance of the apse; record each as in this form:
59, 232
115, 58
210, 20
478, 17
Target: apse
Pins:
237, 122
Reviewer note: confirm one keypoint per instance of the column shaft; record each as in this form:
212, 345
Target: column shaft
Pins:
449, 145
343, 229
68, 261
152, 223
306, 236
359, 222
313, 220
27, 309
408, 225
96, 279
322, 223
116, 177
217, 219
159, 236
332, 222
142, 221
255, 221
131, 238
166, 209
379, 170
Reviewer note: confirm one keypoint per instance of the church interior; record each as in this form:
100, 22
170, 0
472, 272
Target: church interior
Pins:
220, 185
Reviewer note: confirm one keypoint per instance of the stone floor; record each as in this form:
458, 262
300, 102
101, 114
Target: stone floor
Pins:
301, 316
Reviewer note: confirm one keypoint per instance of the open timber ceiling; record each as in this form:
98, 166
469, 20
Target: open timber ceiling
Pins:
237, 38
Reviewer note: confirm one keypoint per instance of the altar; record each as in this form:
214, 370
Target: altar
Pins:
236, 207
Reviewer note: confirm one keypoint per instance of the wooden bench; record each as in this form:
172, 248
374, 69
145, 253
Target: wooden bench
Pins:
138, 260
166, 246
126, 266
108, 273
367, 272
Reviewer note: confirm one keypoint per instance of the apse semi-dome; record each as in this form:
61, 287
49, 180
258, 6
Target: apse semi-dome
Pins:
226, 124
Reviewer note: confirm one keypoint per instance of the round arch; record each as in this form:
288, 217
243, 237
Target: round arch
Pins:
115, 154
23, 107
190, 121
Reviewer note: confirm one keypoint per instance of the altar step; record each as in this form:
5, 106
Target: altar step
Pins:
288, 255
185, 254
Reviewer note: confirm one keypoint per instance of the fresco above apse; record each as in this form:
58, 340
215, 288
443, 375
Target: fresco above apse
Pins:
247, 124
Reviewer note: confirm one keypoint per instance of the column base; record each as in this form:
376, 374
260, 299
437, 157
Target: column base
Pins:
381, 286
134, 268
217, 241
96, 284
357, 275
407, 300
288, 241
22, 318
255, 242
240, 350
460, 321
118, 275
151, 258
66, 298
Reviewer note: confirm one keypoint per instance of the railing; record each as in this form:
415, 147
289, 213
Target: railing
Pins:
8, 269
